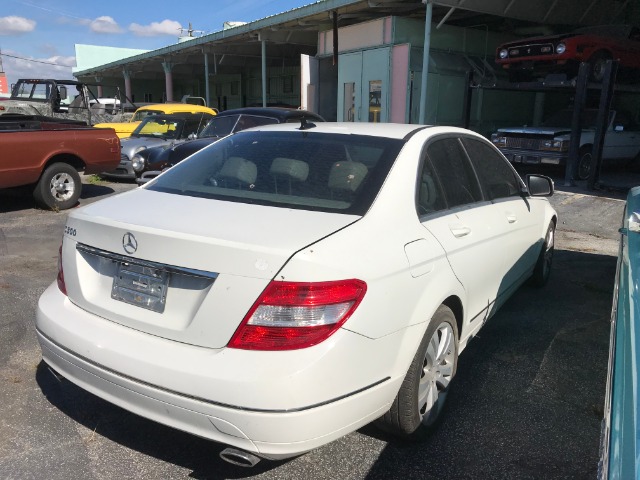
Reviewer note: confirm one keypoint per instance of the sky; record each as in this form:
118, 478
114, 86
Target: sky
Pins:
37, 37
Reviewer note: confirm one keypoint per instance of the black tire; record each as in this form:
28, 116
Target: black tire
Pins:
59, 187
585, 162
542, 270
597, 63
407, 417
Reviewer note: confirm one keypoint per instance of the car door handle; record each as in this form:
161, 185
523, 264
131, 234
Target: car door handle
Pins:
511, 218
459, 230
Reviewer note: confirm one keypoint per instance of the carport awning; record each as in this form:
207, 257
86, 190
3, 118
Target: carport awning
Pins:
553, 12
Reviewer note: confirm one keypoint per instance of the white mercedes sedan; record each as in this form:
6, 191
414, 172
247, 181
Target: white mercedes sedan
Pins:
289, 284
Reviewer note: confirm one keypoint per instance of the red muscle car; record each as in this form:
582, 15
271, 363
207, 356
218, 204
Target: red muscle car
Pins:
524, 59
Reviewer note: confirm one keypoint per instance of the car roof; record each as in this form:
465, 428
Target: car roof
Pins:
387, 130
178, 107
279, 113
173, 116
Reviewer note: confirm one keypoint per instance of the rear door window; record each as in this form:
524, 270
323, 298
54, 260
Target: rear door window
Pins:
496, 175
454, 172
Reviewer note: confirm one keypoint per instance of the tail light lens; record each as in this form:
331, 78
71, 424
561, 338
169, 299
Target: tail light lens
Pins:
60, 278
293, 315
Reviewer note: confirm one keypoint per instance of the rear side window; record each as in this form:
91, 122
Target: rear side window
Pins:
430, 196
496, 176
453, 170
220, 126
193, 125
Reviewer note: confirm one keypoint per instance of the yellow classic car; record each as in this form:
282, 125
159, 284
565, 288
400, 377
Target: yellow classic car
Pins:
124, 130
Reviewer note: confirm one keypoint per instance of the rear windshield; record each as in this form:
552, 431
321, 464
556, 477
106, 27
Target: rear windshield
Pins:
140, 114
303, 170
158, 128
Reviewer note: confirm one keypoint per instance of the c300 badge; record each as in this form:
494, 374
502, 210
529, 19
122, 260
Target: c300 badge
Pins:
129, 243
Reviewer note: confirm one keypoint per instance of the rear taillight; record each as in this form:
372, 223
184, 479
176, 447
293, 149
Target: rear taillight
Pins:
293, 315
60, 278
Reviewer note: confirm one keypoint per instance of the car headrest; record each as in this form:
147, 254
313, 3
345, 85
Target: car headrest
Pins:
240, 169
347, 175
288, 167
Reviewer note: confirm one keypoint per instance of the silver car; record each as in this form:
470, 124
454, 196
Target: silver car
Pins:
155, 131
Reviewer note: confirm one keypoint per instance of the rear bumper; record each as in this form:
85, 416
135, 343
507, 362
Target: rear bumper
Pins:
534, 157
273, 433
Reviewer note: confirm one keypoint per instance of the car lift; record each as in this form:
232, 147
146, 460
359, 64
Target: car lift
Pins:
580, 85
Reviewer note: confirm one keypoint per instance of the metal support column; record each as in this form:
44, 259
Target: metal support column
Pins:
100, 90
127, 85
206, 80
425, 61
602, 121
168, 80
264, 73
468, 94
576, 124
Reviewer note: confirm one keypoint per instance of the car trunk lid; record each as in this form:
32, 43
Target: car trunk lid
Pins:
182, 268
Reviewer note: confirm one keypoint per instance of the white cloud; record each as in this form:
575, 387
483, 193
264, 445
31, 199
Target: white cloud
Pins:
25, 66
165, 27
16, 25
105, 25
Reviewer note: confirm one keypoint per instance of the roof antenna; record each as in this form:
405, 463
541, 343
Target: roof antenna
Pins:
304, 125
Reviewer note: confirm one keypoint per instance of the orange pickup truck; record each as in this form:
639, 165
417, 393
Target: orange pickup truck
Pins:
47, 154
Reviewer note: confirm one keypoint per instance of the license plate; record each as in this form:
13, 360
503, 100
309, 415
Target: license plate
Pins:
140, 285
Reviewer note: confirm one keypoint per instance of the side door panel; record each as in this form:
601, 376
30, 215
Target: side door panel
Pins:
453, 210
469, 238
518, 216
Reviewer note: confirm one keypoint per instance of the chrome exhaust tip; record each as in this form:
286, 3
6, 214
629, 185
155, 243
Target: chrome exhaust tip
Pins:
239, 457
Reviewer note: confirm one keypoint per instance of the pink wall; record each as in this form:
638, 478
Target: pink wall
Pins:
354, 37
399, 83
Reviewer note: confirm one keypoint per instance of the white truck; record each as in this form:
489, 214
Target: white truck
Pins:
549, 144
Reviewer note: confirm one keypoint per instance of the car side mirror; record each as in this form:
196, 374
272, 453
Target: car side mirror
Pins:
539, 185
618, 128
63, 92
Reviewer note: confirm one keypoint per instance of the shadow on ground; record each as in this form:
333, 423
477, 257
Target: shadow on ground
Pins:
21, 198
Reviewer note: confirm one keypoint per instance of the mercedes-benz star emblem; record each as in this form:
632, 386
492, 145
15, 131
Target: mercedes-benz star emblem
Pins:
129, 243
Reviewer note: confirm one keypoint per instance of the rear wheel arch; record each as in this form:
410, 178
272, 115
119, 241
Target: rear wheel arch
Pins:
455, 304
419, 401
68, 158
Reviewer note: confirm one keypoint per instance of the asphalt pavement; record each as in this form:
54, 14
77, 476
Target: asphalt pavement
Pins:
526, 402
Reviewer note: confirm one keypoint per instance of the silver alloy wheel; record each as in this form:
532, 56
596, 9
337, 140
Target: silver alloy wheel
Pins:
62, 186
437, 371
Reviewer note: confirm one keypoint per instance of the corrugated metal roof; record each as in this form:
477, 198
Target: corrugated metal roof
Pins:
321, 6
